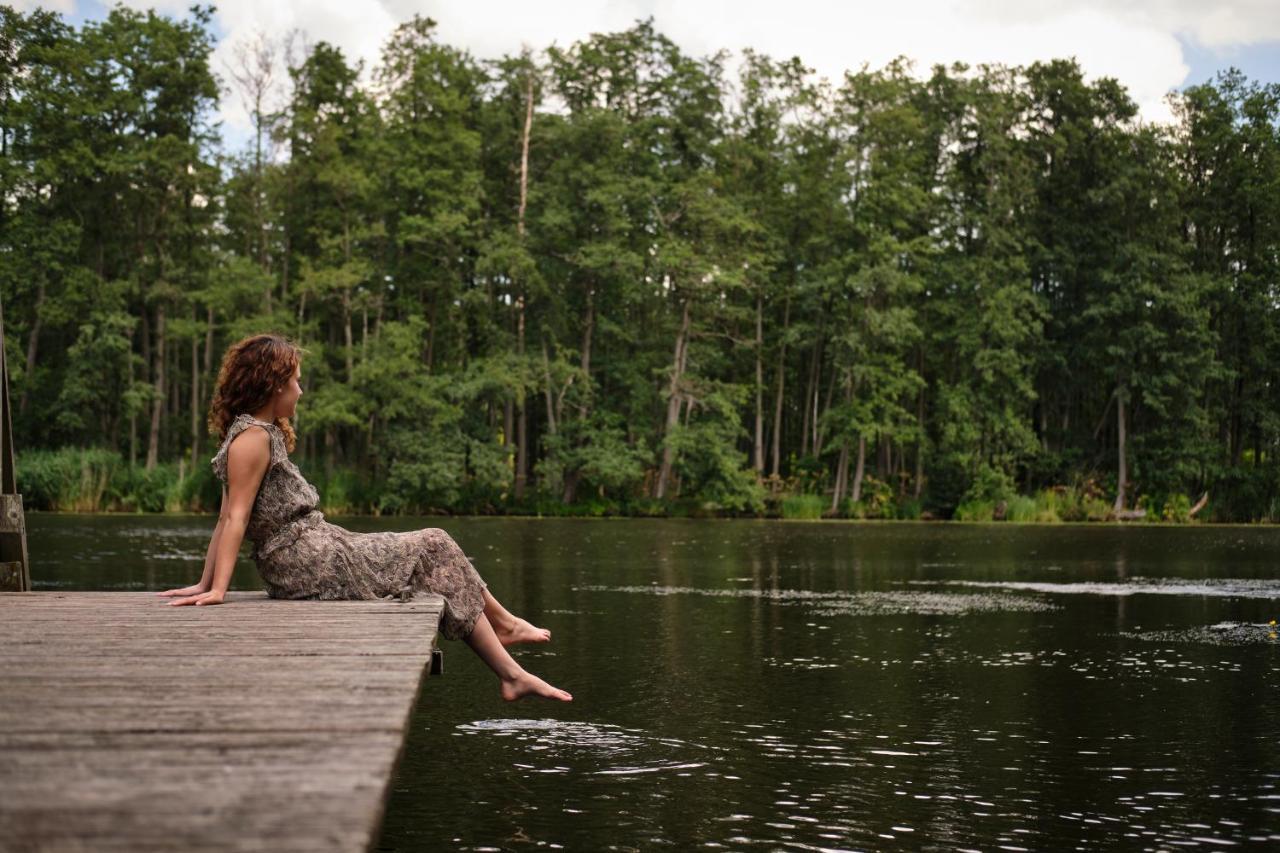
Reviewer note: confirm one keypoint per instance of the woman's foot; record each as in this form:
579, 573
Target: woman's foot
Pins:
526, 684
520, 631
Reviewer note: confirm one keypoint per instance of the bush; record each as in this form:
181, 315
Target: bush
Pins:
139, 490
991, 484
1048, 503
199, 491
1177, 508
335, 493
1095, 509
910, 508
646, 507
877, 499
70, 479
975, 510
803, 506
1081, 503
1021, 508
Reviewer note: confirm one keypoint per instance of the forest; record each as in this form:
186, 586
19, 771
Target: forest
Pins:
613, 278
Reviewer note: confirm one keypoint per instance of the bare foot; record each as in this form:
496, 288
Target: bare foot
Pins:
520, 631
526, 684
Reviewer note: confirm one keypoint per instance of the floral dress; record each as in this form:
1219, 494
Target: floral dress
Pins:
300, 555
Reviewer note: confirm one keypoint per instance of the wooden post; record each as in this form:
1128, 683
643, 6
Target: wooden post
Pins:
15, 572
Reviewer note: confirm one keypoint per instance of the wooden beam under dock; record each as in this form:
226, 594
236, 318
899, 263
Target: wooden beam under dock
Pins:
128, 724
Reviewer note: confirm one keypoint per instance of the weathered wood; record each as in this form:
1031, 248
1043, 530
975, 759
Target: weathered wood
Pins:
11, 518
13, 533
128, 724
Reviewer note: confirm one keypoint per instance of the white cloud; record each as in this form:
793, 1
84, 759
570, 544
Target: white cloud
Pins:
1135, 42
66, 7
1212, 24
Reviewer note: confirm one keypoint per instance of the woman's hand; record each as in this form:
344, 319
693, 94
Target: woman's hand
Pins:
210, 597
194, 589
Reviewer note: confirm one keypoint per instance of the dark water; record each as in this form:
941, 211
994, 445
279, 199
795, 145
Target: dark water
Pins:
821, 686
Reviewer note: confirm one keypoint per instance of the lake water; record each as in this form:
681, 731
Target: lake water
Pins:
824, 686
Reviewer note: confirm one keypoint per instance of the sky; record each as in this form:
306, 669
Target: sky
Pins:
1151, 46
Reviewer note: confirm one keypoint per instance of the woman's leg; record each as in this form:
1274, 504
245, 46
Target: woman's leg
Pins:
509, 628
515, 681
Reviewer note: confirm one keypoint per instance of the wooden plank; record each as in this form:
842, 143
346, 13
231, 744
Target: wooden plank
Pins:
128, 724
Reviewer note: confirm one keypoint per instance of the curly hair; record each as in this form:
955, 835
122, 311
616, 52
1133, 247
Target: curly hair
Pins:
251, 371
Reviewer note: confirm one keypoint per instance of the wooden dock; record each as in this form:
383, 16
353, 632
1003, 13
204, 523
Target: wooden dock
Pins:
127, 724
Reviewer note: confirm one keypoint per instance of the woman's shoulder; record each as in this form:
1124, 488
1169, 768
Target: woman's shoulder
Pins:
272, 434
246, 420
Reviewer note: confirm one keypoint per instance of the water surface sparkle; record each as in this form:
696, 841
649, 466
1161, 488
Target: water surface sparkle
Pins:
825, 686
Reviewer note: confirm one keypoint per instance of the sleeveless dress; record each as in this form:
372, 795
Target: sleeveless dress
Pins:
300, 555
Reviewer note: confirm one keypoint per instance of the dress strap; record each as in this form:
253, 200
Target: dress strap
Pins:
278, 451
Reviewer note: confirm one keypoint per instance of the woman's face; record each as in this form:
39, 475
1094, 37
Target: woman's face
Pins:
287, 403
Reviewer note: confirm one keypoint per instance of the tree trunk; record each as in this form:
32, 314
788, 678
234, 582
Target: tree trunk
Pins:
810, 394
588, 328
842, 476
133, 415
522, 422
758, 462
33, 342
508, 423
673, 403
776, 467
195, 391
522, 416
330, 451
1122, 478
859, 470
546, 375
348, 339
157, 404
918, 485
826, 407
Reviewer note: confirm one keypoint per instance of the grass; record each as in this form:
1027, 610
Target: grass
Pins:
803, 506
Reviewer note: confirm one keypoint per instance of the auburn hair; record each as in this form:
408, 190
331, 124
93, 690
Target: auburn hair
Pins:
252, 370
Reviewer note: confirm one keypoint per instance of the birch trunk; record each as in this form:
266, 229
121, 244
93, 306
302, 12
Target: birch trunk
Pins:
522, 422
673, 402
860, 470
776, 466
842, 476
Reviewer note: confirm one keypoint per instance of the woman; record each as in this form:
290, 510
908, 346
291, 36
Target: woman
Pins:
300, 555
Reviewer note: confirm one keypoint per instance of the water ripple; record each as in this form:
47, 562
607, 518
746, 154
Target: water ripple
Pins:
590, 748
880, 603
1216, 587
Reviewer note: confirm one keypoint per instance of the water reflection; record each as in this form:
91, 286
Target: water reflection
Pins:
827, 686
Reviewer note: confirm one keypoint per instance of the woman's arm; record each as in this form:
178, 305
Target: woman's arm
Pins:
206, 578
247, 461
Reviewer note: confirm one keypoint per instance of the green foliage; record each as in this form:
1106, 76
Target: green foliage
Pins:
803, 506
704, 277
1021, 508
877, 501
909, 509
1049, 504
975, 510
991, 485
68, 480
709, 463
